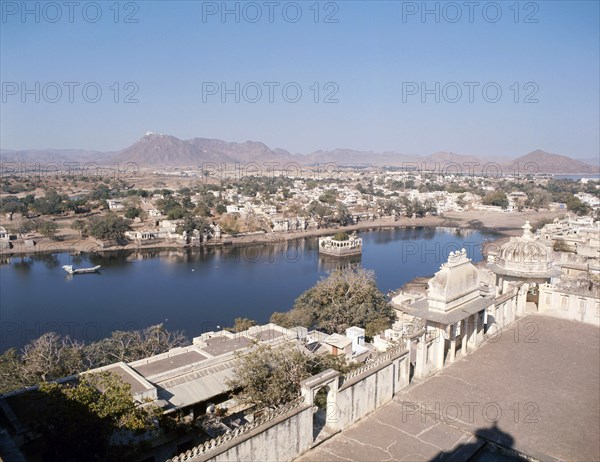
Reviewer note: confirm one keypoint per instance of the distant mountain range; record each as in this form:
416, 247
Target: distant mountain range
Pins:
156, 150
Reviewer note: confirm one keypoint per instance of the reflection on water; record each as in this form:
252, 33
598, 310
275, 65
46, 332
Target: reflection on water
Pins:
197, 289
329, 264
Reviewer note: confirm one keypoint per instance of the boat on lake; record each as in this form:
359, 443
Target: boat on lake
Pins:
69, 269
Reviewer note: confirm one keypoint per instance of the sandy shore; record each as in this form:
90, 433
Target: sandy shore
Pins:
508, 224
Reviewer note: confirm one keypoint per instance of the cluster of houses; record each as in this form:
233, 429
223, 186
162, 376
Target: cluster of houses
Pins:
282, 216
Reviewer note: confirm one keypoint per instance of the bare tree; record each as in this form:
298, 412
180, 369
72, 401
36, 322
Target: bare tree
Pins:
52, 356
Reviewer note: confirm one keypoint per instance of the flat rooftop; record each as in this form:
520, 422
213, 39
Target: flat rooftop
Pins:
137, 386
159, 366
220, 344
535, 390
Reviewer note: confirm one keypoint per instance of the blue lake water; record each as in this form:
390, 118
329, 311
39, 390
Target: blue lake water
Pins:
202, 289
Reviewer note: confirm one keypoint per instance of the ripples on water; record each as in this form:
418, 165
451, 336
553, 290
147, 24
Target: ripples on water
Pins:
202, 289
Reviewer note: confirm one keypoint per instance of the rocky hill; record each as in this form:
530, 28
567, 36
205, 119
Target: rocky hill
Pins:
157, 150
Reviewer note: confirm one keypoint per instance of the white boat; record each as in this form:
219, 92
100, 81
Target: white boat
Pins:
69, 269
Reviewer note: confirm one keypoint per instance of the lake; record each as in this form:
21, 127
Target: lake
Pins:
201, 289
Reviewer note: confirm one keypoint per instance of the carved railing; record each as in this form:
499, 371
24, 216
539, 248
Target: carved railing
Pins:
383, 357
238, 432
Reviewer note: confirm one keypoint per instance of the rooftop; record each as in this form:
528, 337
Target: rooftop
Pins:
150, 366
545, 413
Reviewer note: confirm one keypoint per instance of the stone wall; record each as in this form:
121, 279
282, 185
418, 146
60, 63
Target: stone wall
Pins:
363, 391
281, 435
583, 306
287, 432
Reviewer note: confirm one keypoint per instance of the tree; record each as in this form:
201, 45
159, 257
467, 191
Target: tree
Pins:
496, 198
574, 204
229, 223
51, 204
191, 223
344, 299
78, 420
561, 246
25, 226
341, 236
110, 227
242, 324
319, 210
538, 198
132, 345
132, 212
329, 197
430, 206
11, 371
376, 326
177, 212
418, 208
269, 377
342, 215
51, 357
47, 228
80, 226
11, 204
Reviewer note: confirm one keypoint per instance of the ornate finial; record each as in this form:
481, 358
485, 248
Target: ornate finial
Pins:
526, 229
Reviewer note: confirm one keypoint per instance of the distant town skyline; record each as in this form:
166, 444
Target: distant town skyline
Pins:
498, 79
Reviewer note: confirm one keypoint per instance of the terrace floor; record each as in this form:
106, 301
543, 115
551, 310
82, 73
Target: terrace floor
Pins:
534, 390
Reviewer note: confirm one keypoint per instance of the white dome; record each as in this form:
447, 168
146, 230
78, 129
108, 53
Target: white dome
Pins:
525, 254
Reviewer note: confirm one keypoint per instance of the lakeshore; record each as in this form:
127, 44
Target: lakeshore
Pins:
199, 289
507, 224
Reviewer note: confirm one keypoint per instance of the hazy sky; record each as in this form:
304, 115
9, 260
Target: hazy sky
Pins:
380, 65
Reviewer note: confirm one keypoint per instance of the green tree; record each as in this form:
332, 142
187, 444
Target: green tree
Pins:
47, 228
343, 215
101, 192
430, 206
25, 226
341, 236
418, 208
496, 198
109, 227
376, 326
191, 223
538, 198
268, 377
575, 205
11, 371
132, 212
78, 420
344, 299
329, 196
51, 204
230, 224
80, 226
11, 204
